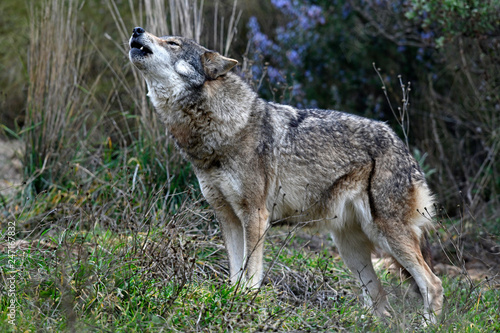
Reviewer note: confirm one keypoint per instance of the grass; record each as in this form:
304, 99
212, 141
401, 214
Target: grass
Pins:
99, 256
74, 273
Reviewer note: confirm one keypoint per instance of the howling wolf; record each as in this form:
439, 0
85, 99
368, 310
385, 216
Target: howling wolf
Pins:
261, 164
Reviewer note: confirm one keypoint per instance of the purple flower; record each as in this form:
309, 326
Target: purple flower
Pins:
307, 16
253, 25
261, 42
256, 71
275, 75
282, 4
346, 10
294, 57
287, 7
316, 13
308, 76
420, 54
426, 35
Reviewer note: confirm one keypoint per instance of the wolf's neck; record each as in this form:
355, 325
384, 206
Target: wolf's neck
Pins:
229, 100
203, 121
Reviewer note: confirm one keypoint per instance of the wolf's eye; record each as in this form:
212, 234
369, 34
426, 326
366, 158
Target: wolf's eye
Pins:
171, 42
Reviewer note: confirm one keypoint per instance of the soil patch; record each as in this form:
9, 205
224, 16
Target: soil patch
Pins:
10, 166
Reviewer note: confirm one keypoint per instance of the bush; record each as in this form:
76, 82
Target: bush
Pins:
320, 54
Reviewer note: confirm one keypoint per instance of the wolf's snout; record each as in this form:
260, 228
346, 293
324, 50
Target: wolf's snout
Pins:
140, 45
137, 31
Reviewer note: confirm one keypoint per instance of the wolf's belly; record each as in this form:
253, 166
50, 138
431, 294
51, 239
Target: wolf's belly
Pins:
326, 204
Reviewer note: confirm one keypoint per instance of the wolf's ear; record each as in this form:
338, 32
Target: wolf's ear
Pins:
216, 65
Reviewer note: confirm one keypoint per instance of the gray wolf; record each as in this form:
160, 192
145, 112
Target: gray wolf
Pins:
261, 164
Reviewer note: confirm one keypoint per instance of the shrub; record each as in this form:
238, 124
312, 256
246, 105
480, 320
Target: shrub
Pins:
320, 54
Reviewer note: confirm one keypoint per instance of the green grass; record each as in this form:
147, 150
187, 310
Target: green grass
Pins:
101, 281
76, 271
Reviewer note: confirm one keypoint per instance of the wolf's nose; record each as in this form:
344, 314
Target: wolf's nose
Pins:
137, 31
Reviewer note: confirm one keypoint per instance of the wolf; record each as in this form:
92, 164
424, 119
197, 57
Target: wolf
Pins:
261, 164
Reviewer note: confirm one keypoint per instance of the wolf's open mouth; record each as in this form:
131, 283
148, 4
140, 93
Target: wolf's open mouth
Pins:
139, 46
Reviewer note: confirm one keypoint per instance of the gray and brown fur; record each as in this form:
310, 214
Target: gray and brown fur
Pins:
261, 163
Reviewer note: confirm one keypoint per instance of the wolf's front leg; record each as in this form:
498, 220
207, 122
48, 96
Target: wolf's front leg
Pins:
255, 231
234, 239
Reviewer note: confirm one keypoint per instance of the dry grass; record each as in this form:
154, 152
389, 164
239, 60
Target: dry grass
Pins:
58, 118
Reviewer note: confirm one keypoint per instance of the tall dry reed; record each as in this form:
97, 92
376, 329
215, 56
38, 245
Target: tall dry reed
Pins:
56, 67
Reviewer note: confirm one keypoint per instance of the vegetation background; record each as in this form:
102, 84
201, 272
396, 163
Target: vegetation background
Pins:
107, 230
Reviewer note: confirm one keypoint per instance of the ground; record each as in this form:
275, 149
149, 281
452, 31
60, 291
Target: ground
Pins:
10, 166
481, 258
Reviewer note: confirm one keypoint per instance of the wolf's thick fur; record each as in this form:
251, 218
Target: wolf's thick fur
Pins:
261, 164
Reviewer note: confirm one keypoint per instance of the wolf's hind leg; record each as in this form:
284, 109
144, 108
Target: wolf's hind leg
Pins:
405, 248
355, 249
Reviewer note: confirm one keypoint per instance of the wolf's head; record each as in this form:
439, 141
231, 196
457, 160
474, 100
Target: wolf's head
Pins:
175, 64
